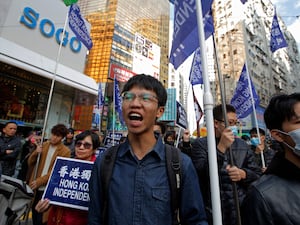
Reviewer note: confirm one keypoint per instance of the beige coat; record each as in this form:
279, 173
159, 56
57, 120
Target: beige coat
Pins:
61, 150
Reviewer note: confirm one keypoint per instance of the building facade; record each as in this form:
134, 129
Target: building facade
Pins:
32, 68
244, 35
132, 35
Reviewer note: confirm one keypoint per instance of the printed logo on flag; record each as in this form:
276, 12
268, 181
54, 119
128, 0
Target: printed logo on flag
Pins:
69, 183
277, 38
185, 36
242, 98
77, 25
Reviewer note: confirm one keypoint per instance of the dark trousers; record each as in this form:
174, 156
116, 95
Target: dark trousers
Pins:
37, 218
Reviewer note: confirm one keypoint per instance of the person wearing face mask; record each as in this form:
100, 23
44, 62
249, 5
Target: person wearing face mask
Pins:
169, 138
263, 153
275, 197
243, 172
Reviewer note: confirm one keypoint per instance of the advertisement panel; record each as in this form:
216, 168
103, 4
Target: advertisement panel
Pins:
38, 26
146, 56
120, 73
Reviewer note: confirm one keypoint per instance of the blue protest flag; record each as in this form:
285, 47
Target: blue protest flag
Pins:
196, 69
185, 35
118, 101
277, 38
77, 25
242, 100
100, 100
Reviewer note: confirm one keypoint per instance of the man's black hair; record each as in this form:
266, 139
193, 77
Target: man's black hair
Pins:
280, 108
149, 83
218, 111
254, 131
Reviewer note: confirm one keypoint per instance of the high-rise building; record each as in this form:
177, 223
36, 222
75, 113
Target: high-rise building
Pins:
129, 36
247, 30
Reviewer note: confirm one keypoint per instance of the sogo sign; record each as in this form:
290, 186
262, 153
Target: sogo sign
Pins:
30, 19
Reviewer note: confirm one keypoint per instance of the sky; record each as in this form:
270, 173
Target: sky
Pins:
289, 10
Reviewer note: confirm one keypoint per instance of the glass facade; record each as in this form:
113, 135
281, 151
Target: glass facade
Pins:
114, 25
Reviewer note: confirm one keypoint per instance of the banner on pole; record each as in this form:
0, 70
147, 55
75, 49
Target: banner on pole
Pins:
181, 118
185, 36
77, 25
242, 100
196, 69
277, 38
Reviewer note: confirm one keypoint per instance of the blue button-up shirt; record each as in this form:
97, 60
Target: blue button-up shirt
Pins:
139, 192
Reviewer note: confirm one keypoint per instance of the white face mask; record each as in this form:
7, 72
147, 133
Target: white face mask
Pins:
295, 135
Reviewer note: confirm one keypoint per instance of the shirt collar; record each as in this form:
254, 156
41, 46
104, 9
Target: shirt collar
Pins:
158, 148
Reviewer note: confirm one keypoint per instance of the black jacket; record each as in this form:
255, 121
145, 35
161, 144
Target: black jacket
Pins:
275, 197
243, 158
8, 161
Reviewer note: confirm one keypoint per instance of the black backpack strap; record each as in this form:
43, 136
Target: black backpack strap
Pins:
106, 169
174, 175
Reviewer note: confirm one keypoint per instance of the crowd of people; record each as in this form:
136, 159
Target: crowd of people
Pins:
258, 179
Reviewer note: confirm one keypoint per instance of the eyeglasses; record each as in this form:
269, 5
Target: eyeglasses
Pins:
143, 97
85, 144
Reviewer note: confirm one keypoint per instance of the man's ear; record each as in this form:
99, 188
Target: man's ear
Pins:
160, 111
277, 135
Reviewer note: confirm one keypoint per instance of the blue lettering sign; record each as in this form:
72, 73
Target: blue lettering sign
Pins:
47, 28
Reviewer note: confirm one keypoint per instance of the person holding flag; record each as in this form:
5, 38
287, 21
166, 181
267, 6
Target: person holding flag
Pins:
244, 172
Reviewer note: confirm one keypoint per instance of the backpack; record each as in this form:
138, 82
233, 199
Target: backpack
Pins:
15, 200
173, 171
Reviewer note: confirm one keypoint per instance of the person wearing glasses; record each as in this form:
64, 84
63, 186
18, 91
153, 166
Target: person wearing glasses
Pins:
139, 190
243, 172
86, 144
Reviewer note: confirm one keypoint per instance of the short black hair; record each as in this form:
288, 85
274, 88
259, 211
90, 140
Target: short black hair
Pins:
254, 131
71, 130
218, 111
9, 122
94, 137
279, 109
149, 83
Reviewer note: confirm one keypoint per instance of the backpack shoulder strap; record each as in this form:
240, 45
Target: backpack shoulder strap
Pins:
173, 162
106, 169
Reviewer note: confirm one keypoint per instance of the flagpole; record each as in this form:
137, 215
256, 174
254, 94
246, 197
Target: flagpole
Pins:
114, 110
208, 107
224, 110
251, 93
51, 94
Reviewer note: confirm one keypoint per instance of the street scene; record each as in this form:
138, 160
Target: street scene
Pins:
149, 112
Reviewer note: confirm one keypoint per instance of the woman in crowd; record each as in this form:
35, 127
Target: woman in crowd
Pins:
86, 144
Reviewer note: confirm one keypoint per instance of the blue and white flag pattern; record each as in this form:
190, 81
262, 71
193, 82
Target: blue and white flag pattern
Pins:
118, 101
77, 25
277, 38
196, 69
185, 36
241, 99
100, 96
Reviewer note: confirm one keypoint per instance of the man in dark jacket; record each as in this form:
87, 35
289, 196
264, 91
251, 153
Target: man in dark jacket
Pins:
10, 146
243, 172
275, 197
